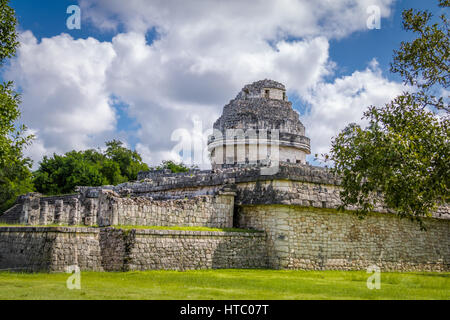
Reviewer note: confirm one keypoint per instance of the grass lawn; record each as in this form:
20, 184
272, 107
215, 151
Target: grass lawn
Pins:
226, 284
137, 227
186, 229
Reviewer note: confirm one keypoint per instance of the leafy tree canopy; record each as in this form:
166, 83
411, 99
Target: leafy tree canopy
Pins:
8, 32
174, 167
15, 174
129, 161
424, 62
404, 153
61, 174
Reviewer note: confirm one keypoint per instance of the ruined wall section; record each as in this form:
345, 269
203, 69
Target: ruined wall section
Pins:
34, 249
291, 184
201, 211
106, 207
193, 250
324, 239
205, 197
54, 249
160, 181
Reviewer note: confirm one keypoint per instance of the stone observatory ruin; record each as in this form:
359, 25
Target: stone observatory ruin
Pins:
282, 211
257, 127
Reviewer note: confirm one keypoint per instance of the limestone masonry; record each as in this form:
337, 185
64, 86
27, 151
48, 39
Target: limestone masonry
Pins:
259, 181
258, 125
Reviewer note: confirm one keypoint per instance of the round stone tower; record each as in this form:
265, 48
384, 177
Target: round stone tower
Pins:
258, 127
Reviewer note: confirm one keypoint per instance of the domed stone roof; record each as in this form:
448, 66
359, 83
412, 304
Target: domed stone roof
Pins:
251, 109
260, 108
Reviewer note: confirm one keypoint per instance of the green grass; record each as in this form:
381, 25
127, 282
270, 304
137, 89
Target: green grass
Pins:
45, 226
187, 229
139, 227
226, 284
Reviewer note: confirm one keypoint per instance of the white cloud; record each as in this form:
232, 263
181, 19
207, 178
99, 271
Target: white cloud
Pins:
64, 101
165, 88
334, 105
206, 21
206, 52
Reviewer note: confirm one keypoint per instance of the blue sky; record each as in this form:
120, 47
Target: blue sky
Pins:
149, 70
48, 19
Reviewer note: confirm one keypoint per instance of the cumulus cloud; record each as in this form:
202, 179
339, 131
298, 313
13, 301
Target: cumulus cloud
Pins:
204, 53
332, 106
204, 20
64, 99
166, 88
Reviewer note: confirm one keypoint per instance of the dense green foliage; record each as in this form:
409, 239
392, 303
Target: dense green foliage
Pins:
15, 175
424, 62
8, 32
129, 161
404, 153
226, 284
174, 167
61, 174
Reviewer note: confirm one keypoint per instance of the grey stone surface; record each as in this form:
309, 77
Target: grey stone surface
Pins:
215, 211
252, 111
259, 115
53, 249
321, 239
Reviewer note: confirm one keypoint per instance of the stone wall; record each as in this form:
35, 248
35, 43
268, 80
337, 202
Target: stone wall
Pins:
319, 239
294, 238
278, 94
158, 181
183, 250
291, 184
49, 249
201, 211
303, 194
106, 207
298, 193
295, 206
34, 209
93, 249
294, 155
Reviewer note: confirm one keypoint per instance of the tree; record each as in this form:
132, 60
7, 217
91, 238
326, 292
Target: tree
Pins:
424, 62
129, 161
15, 174
62, 174
8, 32
174, 167
403, 155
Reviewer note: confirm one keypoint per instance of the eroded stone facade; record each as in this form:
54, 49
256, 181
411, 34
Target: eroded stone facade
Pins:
259, 125
106, 208
54, 249
320, 239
